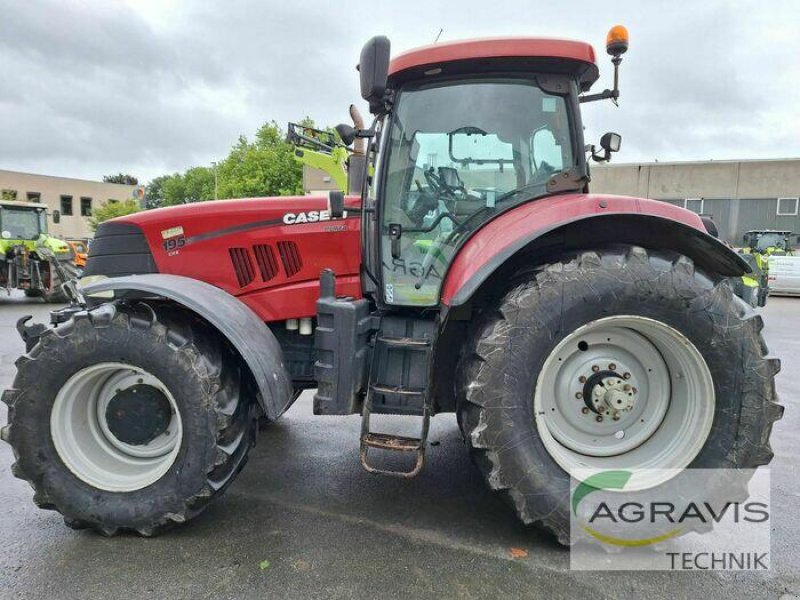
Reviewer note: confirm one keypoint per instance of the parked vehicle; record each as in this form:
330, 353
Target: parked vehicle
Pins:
80, 251
759, 246
474, 273
784, 275
322, 149
32, 260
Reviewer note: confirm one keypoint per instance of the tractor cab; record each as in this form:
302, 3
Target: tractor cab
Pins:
767, 241
22, 221
467, 131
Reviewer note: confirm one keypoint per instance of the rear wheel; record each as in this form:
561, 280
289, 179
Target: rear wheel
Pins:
129, 418
54, 293
618, 359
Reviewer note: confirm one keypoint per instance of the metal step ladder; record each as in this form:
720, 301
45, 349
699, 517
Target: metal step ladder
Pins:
408, 396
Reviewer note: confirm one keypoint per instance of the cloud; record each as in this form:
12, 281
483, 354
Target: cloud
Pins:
152, 86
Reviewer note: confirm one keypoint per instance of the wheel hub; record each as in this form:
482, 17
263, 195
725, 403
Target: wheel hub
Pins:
624, 392
116, 426
138, 415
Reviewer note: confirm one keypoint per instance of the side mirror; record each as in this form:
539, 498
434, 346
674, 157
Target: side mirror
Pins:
374, 69
56, 217
347, 133
611, 142
356, 168
336, 202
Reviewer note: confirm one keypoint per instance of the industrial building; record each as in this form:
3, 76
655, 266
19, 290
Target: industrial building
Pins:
739, 195
74, 199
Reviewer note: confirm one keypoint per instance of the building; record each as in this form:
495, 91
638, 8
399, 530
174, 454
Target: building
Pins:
74, 199
317, 182
739, 195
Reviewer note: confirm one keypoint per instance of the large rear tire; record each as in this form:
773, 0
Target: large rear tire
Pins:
129, 418
672, 346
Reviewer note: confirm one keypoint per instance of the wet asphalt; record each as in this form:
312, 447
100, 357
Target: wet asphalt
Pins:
305, 521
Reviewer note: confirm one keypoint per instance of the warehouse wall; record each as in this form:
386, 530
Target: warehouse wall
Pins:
739, 195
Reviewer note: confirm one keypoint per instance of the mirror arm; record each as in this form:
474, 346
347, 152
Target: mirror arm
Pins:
612, 94
605, 157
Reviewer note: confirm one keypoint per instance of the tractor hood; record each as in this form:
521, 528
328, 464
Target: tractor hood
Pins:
261, 249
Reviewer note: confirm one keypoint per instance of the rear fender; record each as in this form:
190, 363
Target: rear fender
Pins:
573, 222
248, 334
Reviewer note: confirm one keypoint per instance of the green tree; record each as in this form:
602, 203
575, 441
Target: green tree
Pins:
123, 178
198, 184
263, 167
110, 209
174, 190
154, 191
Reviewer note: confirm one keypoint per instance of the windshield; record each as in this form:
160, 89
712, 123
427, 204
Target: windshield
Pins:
19, 223
458, 154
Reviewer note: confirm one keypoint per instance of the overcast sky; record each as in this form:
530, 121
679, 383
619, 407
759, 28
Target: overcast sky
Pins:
155, 86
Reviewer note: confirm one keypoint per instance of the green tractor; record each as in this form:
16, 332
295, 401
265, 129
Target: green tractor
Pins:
325, 151
33, 261
759, 245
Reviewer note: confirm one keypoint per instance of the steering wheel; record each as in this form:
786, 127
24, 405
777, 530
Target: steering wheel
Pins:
435, 182
424, 203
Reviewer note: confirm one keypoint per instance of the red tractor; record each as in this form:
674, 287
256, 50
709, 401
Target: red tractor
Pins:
468, 270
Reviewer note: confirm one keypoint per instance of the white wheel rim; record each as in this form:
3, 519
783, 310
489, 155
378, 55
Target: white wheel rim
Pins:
625, 392
85, 442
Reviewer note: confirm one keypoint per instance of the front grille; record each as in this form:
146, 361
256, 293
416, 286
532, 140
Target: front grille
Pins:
242, 266
290, 257
265, 258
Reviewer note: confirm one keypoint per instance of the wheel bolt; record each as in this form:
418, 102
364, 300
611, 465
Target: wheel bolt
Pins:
595, 368
140, 380
578, 395
582, 379
626, 375
626, 387
584, 410
616, 417
599, 419
612, 367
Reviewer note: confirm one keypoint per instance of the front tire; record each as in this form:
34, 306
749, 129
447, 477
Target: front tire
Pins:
626, 310
129, 418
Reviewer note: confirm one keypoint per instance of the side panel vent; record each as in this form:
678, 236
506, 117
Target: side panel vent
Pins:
290, 257
265, 258
242, 265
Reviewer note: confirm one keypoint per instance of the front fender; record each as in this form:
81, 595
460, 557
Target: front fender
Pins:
575, 221
247, 333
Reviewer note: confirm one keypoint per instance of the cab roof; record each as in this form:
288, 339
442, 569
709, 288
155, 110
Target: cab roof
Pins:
16, 204
498, 54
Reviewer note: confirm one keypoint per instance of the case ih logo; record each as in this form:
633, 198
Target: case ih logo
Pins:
312, 216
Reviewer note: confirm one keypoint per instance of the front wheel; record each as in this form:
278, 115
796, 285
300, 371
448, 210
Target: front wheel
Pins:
616, 359
129, 418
